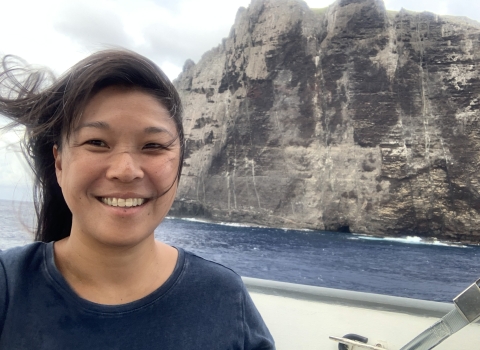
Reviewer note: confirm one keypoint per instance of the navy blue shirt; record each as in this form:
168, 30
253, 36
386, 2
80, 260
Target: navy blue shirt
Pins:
203, 305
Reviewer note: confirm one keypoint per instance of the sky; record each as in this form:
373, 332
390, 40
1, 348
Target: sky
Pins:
58, 33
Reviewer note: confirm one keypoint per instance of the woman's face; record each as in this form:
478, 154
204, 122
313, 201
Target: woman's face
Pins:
118, 170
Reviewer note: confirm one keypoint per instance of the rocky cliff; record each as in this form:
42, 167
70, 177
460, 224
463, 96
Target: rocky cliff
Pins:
350, 118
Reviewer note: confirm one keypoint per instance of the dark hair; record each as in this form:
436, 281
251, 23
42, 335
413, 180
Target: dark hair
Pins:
49, 109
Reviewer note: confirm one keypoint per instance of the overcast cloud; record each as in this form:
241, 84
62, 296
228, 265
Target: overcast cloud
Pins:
87, 23
468, 8
58, 33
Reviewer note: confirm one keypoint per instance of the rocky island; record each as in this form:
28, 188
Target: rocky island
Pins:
350, 118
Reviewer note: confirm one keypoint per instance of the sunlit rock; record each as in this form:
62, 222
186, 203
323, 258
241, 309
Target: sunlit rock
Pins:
350, 118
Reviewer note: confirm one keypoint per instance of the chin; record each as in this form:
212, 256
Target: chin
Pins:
124, 242
122, 237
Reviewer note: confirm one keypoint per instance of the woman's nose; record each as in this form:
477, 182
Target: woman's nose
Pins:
124, 167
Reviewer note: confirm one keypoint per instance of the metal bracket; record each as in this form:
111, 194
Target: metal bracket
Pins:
468, 302
355, 343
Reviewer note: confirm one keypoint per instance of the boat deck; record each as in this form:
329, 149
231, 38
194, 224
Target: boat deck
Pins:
303, 317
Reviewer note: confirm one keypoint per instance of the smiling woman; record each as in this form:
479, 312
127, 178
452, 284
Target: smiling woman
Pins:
105, 142
125, 149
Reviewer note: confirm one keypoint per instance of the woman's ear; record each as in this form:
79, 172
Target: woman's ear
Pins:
58, 164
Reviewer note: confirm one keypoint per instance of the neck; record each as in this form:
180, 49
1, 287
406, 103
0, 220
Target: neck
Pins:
114, 274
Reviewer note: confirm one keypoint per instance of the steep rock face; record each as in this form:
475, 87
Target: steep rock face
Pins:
352, 119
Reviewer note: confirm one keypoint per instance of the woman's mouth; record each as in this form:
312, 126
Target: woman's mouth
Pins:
123, 202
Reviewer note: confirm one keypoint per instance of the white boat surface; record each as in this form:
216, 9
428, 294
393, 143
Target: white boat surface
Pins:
302, 317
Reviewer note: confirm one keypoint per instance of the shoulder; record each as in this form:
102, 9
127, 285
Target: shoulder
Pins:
226, 289
15, 260
19, 254
15, 268
209, 272
209, 265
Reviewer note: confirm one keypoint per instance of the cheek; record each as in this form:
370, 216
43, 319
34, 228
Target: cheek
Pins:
77, 174
165, 172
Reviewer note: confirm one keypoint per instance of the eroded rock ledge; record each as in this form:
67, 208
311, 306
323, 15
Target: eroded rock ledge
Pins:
348, 119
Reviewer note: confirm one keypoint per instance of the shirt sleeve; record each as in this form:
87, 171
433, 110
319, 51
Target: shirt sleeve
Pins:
257, 336
3, 296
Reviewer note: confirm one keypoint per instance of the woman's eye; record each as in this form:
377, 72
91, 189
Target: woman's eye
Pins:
97, 143
154, 146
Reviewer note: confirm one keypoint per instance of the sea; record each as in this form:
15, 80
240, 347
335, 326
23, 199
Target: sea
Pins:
405, 267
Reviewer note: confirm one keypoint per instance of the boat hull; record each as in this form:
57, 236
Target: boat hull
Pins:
303, 317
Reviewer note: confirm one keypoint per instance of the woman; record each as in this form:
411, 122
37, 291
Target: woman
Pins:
106, 146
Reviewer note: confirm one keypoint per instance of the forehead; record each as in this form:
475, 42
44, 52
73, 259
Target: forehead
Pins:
117, 103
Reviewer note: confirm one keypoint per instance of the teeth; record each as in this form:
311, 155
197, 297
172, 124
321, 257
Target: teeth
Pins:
123, 202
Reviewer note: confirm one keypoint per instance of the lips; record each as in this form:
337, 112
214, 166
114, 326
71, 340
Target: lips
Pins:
123, 202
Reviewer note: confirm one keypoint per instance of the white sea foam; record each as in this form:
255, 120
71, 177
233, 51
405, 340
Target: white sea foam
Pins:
189, 219
238, 224
411, 240
297, 229
355, 236
232, 224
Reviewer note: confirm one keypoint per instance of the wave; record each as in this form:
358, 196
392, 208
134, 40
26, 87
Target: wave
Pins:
187, 219
237, 224
354, 236
411, 240
232, 224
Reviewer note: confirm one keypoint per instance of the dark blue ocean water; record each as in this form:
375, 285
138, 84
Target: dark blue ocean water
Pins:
406, 267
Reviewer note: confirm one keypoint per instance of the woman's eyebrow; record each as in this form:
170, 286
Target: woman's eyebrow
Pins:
156, 130
106, 126
97, 125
